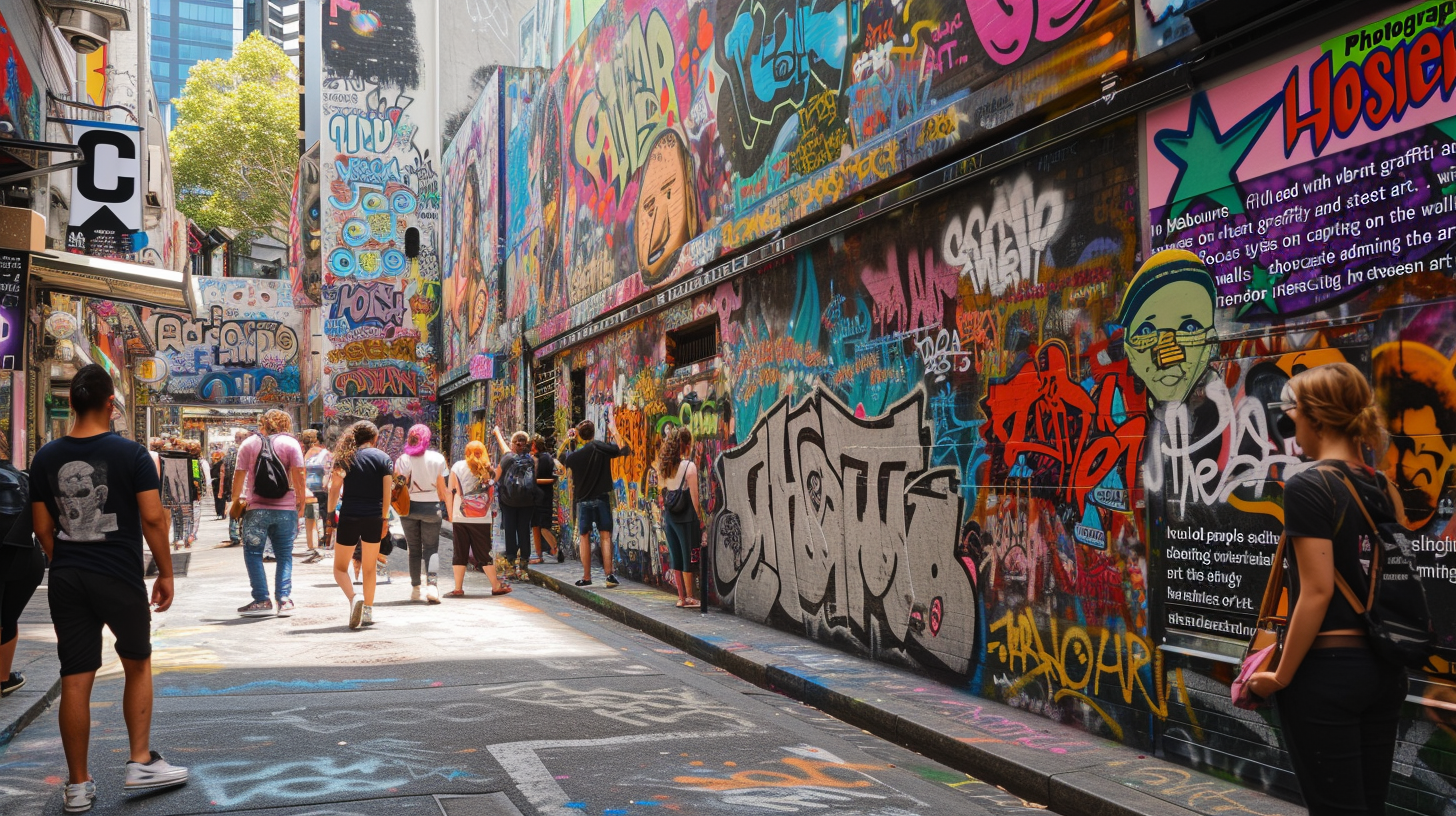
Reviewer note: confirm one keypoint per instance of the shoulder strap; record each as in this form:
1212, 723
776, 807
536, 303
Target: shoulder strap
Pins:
1274, 589
1376, 557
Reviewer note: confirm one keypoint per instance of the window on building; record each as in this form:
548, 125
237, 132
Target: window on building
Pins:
161, 28
205, 34
693, 343
205, 13
164, 90
161, 48
161, 69
578, 396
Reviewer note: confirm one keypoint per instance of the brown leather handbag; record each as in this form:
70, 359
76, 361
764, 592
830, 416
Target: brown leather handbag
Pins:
400, 499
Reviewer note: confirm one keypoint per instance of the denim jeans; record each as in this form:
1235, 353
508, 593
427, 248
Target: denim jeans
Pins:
259, 528
422, 534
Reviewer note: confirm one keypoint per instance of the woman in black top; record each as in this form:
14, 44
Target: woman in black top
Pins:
544, 514
1339, 704
363, 478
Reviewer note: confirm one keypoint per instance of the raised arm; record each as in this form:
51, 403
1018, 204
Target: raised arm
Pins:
500, 440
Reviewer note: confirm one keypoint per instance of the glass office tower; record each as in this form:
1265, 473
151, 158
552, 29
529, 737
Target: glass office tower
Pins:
185, 32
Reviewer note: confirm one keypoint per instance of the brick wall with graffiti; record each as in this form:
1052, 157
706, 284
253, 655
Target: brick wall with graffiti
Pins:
246, 348
672, 133
471, 229
379, 181
1015, 434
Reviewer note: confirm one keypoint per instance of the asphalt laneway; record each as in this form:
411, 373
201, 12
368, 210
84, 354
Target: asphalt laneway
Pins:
526, 703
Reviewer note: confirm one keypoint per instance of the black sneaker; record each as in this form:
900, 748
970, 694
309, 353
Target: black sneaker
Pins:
584, 582
12, 684
612, 580
560, 555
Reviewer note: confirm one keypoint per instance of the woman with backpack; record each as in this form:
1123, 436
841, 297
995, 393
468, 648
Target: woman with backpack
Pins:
519, 494
544, 514
682, 508
1339, 702
425, 470
362, 480
472, 489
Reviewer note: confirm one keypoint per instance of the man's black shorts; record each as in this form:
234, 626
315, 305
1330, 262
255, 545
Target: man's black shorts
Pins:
82, 602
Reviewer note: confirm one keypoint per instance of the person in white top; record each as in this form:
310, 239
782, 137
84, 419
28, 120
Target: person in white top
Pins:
425, 470
472, 486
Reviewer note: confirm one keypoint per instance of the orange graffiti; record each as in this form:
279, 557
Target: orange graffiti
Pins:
812, 769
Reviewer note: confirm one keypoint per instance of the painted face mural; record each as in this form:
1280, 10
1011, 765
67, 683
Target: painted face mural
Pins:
665, 217
1415, 385
1167, 318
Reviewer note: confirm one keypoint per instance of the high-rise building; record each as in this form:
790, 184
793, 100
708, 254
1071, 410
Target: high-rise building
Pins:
185, 32
276, 19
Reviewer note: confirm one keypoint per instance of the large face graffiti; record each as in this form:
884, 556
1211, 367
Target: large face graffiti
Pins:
1167, 319
666, 213
1414, 384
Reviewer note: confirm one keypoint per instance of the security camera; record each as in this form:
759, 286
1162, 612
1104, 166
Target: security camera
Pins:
86, 31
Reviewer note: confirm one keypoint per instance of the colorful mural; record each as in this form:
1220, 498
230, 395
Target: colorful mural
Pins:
20, 102
380, 200
470, 284
246, 349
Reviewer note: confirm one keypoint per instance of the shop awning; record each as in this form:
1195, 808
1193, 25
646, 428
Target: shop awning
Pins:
106, 278
23, 158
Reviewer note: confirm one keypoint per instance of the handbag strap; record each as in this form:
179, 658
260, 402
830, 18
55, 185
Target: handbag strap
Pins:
1274, 589
1375, 557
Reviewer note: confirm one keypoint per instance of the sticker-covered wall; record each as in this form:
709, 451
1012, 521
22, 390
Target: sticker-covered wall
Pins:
380, 198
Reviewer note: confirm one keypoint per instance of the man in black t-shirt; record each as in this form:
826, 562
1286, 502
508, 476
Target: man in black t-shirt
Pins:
590, 463
94, 497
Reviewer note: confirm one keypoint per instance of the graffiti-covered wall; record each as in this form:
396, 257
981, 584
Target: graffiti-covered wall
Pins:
248, 346
1018, 431
471, 227
379, 185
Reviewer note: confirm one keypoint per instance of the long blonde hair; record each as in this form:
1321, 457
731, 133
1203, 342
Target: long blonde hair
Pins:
477, 458
1336, 397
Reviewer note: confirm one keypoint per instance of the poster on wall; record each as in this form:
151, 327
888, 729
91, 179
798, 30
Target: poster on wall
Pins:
106, 198
14, 276
1319, 188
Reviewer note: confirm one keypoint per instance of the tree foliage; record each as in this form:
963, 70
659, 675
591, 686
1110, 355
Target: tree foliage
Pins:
235, 146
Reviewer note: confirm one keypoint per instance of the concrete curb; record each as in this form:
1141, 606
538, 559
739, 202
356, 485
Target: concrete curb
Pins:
1068, 786
30, 714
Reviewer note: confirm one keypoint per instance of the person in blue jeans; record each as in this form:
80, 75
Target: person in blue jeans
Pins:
270, 519
590, 463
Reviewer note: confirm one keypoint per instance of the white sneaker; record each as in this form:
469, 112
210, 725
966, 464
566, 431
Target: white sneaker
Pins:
368, 616
80, 796
381, 576
414, 593
356, 612
159, 773
432, 594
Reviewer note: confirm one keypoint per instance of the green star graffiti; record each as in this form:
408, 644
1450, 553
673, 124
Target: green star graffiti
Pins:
1262, 281
1207, 160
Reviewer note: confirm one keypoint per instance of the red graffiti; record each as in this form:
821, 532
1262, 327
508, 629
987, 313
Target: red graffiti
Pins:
385, 381
929, 286
1052, 431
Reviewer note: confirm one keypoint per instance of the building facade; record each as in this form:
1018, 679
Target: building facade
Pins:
185, 32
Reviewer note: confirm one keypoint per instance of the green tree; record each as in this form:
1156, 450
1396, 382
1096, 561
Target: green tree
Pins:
235, 146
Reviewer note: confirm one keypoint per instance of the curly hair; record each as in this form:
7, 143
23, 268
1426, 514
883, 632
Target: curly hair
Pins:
353, 438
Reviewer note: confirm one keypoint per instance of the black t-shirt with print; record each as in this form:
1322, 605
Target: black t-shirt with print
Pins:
364, 483
90, 487
1318, 505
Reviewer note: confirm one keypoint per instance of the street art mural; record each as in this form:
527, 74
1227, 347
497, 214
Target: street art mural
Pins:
672, 133
1316, 193
20, 101
247, 347
380, 203
471, 225
304, 235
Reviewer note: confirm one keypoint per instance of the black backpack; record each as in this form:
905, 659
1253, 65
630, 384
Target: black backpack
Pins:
270, 477
518, 485
1396, 614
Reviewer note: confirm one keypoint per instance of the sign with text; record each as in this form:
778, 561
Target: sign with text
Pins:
14, 277
106, 199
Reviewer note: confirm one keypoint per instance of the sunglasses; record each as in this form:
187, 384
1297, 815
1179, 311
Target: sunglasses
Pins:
1284, 424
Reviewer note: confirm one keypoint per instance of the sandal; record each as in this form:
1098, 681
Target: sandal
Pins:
506, 591
679, 603
690, 603
535, 560
455, 593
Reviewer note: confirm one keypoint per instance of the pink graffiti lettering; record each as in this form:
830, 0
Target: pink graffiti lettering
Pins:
929, 286
1007, 27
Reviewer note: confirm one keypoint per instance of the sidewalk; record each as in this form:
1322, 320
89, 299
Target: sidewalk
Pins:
1067, 769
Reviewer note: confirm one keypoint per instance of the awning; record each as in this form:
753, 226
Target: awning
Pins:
106, 278
22, 159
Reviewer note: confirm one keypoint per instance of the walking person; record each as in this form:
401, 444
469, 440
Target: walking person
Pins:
359, 486
22, 568
544, 516
590, 463
270, 475
315, 478
219, 488
519, 495
94, 497
235, 525
1338, 702
472, 491
425, 471
682, 508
